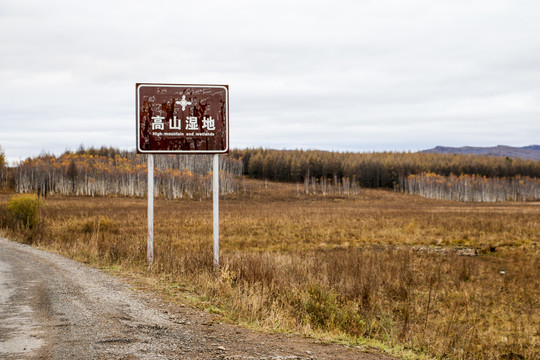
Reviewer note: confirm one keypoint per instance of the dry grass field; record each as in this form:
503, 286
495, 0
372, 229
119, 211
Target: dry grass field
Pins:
377, 269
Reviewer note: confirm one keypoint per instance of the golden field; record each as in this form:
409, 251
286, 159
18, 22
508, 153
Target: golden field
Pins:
379, 268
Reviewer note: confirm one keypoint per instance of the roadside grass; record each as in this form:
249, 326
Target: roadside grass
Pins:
377, 269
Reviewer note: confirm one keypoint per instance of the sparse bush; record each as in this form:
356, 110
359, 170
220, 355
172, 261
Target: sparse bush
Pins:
3, 168
25, 210
5, 218
325, 311
93, 226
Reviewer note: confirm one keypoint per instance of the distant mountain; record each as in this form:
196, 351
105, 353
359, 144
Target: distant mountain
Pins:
526, 152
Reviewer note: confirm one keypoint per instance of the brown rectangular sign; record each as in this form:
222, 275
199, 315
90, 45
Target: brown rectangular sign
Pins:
182, 119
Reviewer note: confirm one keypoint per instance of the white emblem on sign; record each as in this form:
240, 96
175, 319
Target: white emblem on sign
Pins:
183, 102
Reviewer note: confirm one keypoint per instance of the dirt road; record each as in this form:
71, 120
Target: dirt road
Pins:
55, 308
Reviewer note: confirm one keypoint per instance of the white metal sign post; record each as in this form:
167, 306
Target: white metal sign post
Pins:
182, 119
150, 241
215, 195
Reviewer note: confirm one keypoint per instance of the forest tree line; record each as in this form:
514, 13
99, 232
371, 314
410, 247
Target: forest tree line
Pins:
109, 171
374, 170
471, 188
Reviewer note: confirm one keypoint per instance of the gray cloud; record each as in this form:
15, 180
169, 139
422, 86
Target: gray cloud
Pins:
345, 75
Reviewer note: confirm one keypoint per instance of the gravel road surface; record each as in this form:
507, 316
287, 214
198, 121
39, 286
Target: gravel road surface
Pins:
55, 308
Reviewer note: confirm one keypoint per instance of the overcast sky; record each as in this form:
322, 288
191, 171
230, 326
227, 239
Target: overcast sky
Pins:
337, 75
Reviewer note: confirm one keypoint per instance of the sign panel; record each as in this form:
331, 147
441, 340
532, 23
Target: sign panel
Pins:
177, 119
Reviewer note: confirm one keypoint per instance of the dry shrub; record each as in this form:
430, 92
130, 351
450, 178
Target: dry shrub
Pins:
25, 210
95, 225
21, 217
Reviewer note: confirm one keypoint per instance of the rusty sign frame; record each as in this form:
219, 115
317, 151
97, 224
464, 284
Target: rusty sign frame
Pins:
223, 121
